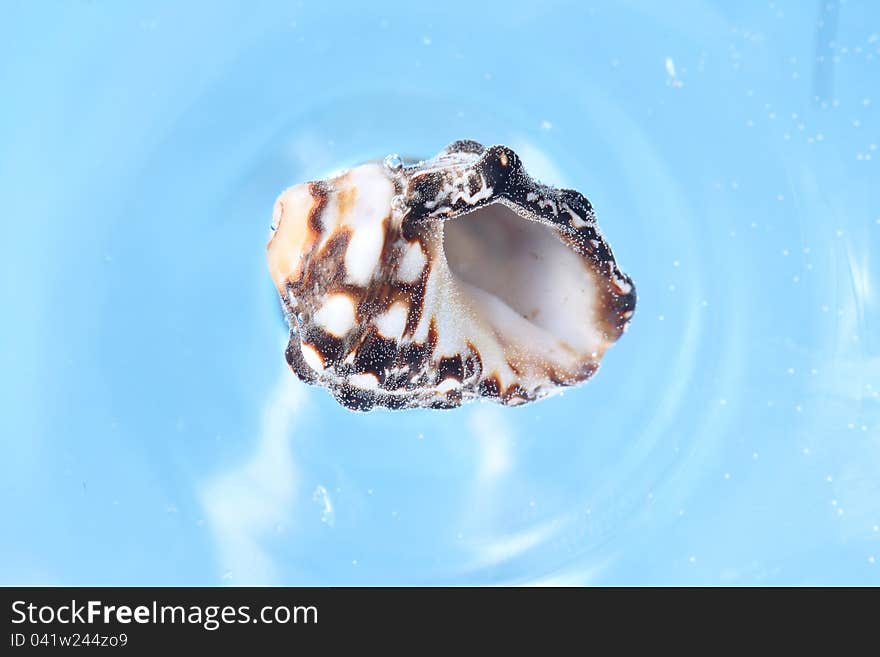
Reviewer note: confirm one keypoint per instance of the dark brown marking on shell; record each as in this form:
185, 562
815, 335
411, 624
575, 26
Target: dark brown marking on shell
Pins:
414, 355
586, 370
332, 257
326, 267
375, 355
490, 387
583, 371
614, 310
515, 392
331, 348
416, 301
397, 380
450, 367
560, 379
319, 191
473, 363
382, 292
473, 184
393, 402
354, 398
418, 354
297, 363
464, 146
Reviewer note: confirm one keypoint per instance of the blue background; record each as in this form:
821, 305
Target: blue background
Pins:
152, 434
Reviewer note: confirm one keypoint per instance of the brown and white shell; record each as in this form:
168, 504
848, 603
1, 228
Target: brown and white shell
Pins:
451, 279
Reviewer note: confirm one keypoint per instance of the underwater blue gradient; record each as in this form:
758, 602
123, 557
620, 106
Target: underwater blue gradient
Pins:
152, 434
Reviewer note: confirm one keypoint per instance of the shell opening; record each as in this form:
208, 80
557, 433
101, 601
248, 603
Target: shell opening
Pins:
522, 280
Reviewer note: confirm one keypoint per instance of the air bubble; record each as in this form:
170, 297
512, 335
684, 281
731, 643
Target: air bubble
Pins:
393, 162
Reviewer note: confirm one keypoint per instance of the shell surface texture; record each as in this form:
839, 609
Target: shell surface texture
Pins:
448, 280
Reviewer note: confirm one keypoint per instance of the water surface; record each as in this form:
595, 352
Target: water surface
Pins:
152, 434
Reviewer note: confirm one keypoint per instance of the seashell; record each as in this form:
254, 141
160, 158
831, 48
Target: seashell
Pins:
443, 281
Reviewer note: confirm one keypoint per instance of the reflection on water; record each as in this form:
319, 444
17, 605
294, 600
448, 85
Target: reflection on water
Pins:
255, 498
732, 436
